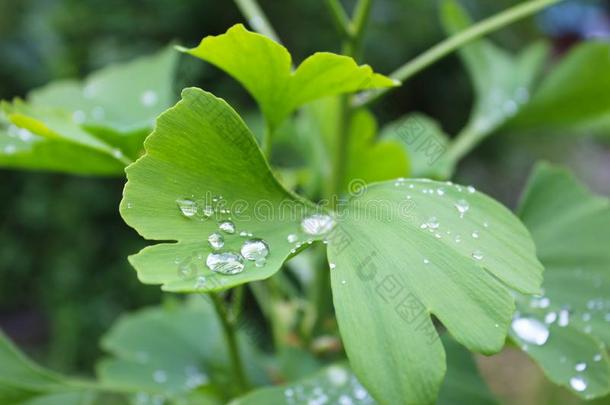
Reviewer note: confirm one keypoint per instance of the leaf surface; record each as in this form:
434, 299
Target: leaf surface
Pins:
263, 67
566, 330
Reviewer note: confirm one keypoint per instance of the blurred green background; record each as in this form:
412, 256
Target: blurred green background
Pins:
64, 275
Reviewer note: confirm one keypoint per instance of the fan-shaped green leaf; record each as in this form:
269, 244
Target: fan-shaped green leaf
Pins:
502, 82
203, 158
566, 330
574, 95
412, 249
263, 67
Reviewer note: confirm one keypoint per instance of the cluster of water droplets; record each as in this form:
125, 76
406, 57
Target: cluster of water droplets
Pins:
19, 136
337, 387
311, 226
461, 205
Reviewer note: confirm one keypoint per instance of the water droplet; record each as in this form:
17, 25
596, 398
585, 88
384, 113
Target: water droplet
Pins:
475, 234
208, 211
432, 223
578, 383
426, 261
597, 357
187, 207
227, 226
343, 282
586, 317
160, 376
582, 366
216, 241
462, 207
225, 263
485, 224
337, 375
440, 191
457, 239
317, 224
149, 98
332, 266
531, 330
477, 255
550, 317
564, 318
255, 249
292, 238
471, 189
200, 283
260, 262
25, 135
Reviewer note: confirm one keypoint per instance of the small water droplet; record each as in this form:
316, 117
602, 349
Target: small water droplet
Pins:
216, 241
260, 262
426, 261
462, 207
485, 224
475, 234
187, 207
292, 238
471, 189
255, 249
582, 366
225, 263
208, 211
227, 227
530, 330
597, 357
343, 282
332, 266
317, 224
477, 255
149, 98
578, 383
550, 317
564, 318
440, 191
432, 223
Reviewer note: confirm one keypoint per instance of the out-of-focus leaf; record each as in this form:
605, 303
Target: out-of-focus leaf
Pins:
502, 82
407, 250
263, 67
574, 96
199, 152
425, 143
24, 383
566, 330
175, 353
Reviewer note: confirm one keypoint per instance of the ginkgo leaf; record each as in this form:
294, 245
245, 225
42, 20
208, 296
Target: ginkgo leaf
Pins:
502, 82
175, 352
263, 67
566, 330
574, 95
403, 251
424, 142
24, 383
94, 127
204, 182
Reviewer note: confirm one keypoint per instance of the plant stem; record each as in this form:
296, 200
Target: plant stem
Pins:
339, 16
230, 337
360, 18
454, 42
257, 19
464, 142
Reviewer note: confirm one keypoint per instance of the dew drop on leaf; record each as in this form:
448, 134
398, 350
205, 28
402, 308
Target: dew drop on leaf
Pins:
227, 226
225, 263
564, 318
477, 255
255, 249
580, 366
578, 383
292, 238
187, 207
530, 330
216, 240
462, 207
317, 224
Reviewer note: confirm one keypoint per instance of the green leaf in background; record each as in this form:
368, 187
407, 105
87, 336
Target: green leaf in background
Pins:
575, 95
177, 353
411, 249
123, 98
502, 82
205, 183
95, 127
263, 67
424, 142
566, 330
24, 383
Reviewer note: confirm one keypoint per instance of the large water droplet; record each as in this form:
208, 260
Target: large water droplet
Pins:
578, 383
531, 330
582, 366
187, 207
216, 240
225, 263
462, 207
550, 317
255, 249
227, 226
317, 224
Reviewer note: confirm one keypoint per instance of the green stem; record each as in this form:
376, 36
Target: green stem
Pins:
360, 18
340, 18
454, 42
257, 19
230, 337
463, 143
